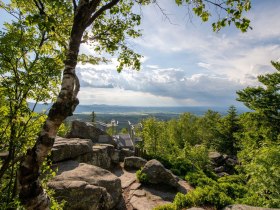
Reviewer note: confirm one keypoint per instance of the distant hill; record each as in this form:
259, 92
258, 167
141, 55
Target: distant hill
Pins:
114, 109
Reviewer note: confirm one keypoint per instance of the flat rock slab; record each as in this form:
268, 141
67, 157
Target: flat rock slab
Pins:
144, 203
67, 149
86, 187
135, 186
245, 207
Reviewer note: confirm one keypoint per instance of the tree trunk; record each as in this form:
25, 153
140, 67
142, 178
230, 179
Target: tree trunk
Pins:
31, 193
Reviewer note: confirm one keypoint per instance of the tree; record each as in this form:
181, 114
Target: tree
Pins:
208, 130
265, 100
228, 127
25, 55
111, 21
260, 138
93, 116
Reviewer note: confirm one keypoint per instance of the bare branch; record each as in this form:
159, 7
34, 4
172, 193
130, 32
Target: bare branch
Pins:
164, 13
217, 4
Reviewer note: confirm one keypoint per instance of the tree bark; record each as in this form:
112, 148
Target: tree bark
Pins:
31, 193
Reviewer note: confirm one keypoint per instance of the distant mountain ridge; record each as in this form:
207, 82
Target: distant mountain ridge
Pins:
115, 109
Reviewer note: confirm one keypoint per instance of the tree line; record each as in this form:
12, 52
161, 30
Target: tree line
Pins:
253, 137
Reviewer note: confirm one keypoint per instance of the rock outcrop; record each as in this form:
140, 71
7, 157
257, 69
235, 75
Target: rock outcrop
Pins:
102, 155
139, 196
156, 174
134, 162
71, 149
86, 187
85, 130
245, 207
222, 164
125, 153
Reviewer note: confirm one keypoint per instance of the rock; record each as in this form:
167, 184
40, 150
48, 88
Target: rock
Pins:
85, 130
156, 174
125, 153
245, 207
134, 162
101, 155
65, 166
135, 186
221, 174
138, 193
231, 161
216, 158
86, 187
115, 157
219, 169
71, 149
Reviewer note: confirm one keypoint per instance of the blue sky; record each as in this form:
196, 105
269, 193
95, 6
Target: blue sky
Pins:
185, 63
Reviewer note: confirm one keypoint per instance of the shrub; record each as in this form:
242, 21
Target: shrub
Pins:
169, 206
142, 177
209, 195
198, 178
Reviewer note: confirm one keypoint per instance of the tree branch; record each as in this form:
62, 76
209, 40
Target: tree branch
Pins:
40, 6
74, 5
101, 10
216, 4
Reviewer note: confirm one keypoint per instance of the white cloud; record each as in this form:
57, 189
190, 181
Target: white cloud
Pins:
204, 65
188, 64
161, 84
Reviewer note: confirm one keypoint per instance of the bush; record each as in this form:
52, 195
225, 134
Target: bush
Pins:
169, 206
181, 166
198, 178
209, 195
142, 177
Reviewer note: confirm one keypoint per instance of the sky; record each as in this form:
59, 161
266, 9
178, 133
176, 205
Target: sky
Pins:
184, 62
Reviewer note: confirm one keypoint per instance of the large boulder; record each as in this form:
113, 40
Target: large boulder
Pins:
245, 207
71, 149
86, 130
102, 155
86, 187
156, 174
134, 162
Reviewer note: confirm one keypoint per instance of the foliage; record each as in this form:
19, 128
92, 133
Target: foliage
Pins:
169, 206
218, 193
63, 129
264, 177
265, 100
25, 49
232, 10
141, 177
197, 155
47, 174
198, 178
228, 126
208, 195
